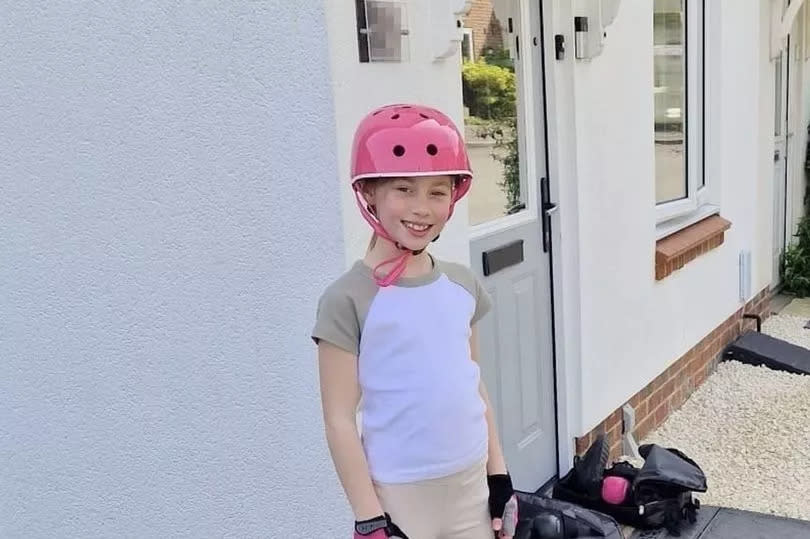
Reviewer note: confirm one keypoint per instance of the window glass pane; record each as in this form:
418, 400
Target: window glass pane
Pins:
387, 40
669, 94
490, 94
467, 46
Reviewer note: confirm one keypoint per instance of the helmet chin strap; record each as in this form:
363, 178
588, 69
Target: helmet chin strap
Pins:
400, 261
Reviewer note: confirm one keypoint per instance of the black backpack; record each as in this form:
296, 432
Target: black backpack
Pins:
660, 495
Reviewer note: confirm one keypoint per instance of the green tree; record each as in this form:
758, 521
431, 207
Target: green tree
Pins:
489, 90
796, 262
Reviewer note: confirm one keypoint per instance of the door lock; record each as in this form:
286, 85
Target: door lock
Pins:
559, 47
547, 208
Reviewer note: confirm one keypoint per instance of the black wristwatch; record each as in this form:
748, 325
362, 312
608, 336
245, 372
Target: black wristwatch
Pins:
367, 527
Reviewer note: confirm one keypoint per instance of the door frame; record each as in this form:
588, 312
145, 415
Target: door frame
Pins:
559, 120
553, 187
561, 162
535, 109
781, 142
555, 106
795, 53
795, 129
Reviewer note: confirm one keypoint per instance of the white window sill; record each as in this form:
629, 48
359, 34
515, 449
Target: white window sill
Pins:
670, 226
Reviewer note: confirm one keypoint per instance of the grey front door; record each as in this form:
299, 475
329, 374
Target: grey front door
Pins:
506, 140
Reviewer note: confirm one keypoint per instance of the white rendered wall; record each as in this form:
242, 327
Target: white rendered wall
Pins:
169, 215
632, 326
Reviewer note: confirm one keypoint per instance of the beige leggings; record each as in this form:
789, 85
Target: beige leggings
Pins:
452, 507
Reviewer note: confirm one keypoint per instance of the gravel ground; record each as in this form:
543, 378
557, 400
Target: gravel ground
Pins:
749, 429
789, 328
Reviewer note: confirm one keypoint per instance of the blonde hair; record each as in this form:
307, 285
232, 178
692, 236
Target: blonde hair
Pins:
364, 185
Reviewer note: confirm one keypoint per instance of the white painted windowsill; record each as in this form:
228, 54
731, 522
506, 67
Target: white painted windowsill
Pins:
670, 226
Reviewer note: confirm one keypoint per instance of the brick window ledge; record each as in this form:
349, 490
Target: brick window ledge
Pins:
680, 248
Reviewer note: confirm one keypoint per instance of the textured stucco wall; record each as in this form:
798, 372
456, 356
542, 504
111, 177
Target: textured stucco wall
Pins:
169, 215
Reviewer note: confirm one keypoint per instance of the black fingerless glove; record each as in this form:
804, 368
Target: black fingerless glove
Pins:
500, 491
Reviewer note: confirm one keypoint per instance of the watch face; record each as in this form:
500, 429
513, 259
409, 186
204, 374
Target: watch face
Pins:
367, 527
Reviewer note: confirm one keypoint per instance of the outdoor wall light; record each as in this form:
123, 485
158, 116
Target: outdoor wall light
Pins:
783, 16
447, 27
581, 37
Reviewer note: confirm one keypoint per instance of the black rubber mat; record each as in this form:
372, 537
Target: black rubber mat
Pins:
759, 349
705, 516
724, 523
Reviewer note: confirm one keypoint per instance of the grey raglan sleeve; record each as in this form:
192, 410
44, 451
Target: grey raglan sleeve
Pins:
483, 300
336, 321
464, 276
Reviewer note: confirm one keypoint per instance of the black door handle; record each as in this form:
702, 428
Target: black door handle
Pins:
547, 208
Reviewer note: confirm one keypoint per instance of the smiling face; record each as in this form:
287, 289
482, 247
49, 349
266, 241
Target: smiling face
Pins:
412, 210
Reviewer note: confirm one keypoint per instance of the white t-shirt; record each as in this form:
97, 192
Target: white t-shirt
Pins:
423, 416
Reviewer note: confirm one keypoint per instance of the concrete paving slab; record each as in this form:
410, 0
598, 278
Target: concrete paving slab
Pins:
798, 307
779, 302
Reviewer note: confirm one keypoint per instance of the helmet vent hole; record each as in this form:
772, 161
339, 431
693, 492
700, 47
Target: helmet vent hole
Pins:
432, 149
399, 150
395, 117
423, 115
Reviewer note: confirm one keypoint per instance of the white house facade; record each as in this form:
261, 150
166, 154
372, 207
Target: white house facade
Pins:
177, 198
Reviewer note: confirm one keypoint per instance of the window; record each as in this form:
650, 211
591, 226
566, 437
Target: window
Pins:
467, 46
678, 93
492, 94
381, 32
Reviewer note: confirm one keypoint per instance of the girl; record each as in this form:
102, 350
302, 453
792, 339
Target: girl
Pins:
429, 463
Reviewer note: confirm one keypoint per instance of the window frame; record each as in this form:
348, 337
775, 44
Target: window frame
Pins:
698, 186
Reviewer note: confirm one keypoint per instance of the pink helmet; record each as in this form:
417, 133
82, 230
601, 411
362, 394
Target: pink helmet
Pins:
401, 140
